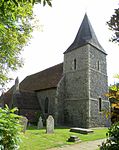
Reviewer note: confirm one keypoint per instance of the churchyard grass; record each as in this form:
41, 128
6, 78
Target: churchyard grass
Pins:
35, 139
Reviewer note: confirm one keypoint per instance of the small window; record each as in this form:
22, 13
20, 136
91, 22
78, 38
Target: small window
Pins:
98, 65
46, 105
100, 104
74, 64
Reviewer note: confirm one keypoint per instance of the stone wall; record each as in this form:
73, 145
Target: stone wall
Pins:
59, 102
98, 87
76, 85
96, 55
98, 118
81, 56
76, 113
84, 86
27, 104
98, 84
76, 107
51, 95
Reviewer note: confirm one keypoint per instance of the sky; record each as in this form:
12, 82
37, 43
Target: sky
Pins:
58, 27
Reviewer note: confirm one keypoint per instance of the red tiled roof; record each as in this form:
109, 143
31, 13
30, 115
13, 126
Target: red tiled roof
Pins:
45, 79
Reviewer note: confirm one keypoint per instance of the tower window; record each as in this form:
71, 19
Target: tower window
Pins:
98, 65
100, 104
46, 105
74, 64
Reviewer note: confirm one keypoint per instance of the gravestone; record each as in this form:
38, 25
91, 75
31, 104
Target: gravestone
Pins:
23, 121
73, 138
40, 123
81, 130
50, 124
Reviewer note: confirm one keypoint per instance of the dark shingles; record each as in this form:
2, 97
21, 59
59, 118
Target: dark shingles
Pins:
85, 35
45, 79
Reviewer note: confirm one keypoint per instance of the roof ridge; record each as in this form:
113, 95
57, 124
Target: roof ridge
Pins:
44, 70
47, 78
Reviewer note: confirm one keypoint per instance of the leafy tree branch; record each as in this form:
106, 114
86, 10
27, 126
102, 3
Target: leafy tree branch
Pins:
15, 32
113, 24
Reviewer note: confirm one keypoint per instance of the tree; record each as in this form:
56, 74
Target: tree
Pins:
114, 101
18, 2
15, 31
113, 96
10, 129
113, 24
112, 141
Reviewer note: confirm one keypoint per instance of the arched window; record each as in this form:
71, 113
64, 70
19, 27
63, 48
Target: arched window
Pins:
74, 64
46, 105
100, 104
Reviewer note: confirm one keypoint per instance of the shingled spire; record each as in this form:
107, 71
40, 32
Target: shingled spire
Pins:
85, 35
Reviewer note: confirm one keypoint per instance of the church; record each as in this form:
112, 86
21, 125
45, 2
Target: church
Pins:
73, 92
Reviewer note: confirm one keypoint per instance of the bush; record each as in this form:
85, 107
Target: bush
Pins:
9, 129
112, 142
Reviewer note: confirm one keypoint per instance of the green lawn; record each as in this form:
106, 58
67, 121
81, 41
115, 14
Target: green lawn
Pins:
35, 139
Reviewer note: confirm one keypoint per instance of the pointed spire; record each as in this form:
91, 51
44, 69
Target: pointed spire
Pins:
16, 86
85, 35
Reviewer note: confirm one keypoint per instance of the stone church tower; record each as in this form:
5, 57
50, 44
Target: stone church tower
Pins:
84, 80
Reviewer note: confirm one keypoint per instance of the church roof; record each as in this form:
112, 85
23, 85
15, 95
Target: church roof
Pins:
45, 79
85, 35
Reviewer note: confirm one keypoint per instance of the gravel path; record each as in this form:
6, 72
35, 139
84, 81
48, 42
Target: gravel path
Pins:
91, 145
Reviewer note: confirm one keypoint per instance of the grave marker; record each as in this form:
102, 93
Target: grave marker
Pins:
40, 123
23, 121
50, 124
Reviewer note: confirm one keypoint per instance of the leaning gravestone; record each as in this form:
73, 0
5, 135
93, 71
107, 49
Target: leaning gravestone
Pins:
40, 123
23, 122
50, 124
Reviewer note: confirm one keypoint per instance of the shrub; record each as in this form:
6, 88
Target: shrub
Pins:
9, 129
112, 142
